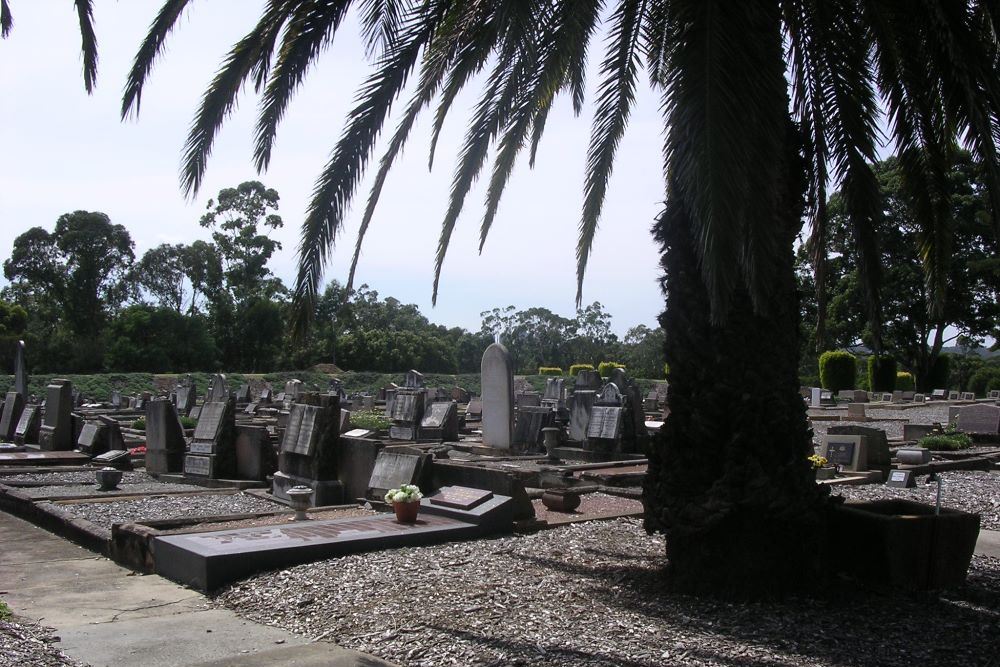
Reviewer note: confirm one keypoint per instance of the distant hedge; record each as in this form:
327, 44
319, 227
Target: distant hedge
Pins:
605, 367
575, 369
904, 381
837, 370
550, 370
881, 373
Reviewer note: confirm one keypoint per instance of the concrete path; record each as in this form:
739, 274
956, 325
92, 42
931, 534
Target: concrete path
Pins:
108, 615
988, 543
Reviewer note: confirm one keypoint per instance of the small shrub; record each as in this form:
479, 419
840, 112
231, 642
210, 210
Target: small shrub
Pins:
837, 370
550, 370
369, 419
605, 367
904, 381
881, 373
188, 422
666, 371
947, 442
5, 612
575, 369
139, 424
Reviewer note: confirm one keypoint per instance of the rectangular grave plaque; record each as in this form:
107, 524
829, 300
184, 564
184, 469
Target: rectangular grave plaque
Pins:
845, 451
359, 433
200, 466
29, 415
201, 448
88, 435
903, 479
402, 432
605, 422
404, 408
460, 497
210, 421
301, 431
393, 469
436, 415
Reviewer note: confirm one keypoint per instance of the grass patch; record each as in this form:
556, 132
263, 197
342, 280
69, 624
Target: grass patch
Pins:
5, 612
371, 420
949, 442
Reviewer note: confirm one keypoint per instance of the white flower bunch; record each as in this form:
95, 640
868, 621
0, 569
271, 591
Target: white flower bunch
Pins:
407, 493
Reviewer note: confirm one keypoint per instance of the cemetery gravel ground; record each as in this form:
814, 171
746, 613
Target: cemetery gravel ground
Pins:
169, 507
23, 643
592, 594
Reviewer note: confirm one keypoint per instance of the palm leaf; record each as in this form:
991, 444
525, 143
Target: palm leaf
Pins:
6, 19
149, 51
85, 12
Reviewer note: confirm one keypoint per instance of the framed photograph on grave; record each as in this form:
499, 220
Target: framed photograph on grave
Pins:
847, 452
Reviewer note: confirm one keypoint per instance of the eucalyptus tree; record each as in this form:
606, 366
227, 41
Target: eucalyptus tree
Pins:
764, 102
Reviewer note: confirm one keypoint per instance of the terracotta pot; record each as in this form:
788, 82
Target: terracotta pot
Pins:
406, 512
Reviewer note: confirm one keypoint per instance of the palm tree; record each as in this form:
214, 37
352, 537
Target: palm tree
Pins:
765, 102
85, 13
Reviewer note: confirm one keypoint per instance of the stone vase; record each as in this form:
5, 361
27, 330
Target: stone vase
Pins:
406, 512
108, 478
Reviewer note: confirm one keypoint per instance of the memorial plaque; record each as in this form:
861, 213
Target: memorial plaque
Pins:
952, 395
940, 394
210, 421
200, 466
301, 432
979, 419
202, 447
903, 479
844, 451
605, 422
437, 415
116, 458
460, 497
392, 470
968, 396
404, 408
397, 432
993, 394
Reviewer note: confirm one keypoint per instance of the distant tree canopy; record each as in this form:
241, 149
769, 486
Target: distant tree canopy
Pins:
86, 304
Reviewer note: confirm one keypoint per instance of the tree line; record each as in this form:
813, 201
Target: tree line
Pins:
85, 303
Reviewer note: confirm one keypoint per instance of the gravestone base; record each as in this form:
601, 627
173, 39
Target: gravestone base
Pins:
325, 492
196, 465
402, 432
162, 461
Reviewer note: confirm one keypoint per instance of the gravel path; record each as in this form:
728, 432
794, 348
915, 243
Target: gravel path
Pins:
81, 477
169, 507
23, 643
591, 594
91, 489
971, 491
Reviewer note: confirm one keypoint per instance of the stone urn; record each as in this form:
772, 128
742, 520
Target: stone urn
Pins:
903, 545
406, 512
300, 498
550, 439
108, 479
561, 500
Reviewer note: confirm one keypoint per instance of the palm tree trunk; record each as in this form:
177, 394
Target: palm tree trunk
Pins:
729, 481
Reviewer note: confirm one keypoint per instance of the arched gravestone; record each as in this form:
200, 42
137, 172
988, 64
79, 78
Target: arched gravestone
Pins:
498, 396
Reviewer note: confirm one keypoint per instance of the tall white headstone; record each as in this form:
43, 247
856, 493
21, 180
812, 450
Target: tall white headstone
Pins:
498, 397
21, 371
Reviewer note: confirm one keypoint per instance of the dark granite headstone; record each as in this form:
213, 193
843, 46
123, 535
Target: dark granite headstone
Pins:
56, 431
877, 452
392, 470
243, 394
26, 431
604, 428
440, 422
255, 457
13, 406
93, 439
164, 438
308, 454
214, 440
115, 458
903, 479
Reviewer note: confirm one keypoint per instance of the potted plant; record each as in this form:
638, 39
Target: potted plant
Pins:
405, 502
821, 467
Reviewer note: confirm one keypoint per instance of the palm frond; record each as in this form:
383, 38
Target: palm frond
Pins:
149, 51
380, 21
307, 31
336, 185
85, 13
6, 19
615, 97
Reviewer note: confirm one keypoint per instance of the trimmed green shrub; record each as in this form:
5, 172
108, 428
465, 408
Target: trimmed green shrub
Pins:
666, 371
549, 370
947, 442
881, 373
372, 420
575, 369
938, 377
5, 612
984, 380
139, 424
188, 422
837, 370
904, 381
605, 367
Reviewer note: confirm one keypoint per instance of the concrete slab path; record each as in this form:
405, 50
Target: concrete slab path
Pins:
105, 614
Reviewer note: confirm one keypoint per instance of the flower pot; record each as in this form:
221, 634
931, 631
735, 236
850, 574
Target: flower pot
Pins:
406, 512
108, 478
902, 544
826, 472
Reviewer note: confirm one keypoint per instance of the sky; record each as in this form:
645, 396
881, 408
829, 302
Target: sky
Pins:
62, 150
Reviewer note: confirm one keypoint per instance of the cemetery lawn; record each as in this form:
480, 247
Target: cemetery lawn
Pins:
591, 594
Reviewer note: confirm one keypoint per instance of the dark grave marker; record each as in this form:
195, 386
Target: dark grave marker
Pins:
93, 439
13, 406
581, 406
308, 455
393, 469
460, 497
115, 458
164, 438
529, 425
440, 421
903, 479
212, 450
845, 451
605, 422
56, 431
26, 431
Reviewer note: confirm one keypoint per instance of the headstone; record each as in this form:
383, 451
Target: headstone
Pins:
856, 412
93, 439
460, 395
292, 390
187, 398
254, 454
528, 399
243, 394
529, 425
266, 396
21, 371
815, 397
939, 394
604, 429
164, 438
619, 377
968, 396
414, 380
498, 397
553, 389
218, 389
993, 394
13, 406
251, 408
919, 398
847, 452
345, 420
952, 395
407, 411
392, 470
908, 395
897, 396
56, 431
474, 411
115, 458
308, 455
887, 398
876, 445
440, 422
581, 405
26, 431
587, 380
609, 395
979, 419
358, 433
904, 479
460, 497
917, 431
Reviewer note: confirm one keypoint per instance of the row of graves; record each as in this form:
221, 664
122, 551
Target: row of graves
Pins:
819, 398
218, 501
